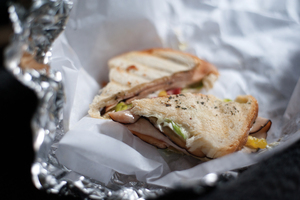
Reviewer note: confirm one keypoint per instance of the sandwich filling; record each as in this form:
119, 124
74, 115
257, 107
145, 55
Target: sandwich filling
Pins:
140, 74
216, 126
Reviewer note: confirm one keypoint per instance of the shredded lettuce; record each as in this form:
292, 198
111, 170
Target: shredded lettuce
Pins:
180, 131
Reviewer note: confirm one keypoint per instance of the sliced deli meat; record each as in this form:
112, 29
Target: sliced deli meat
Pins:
196, 124
138, 74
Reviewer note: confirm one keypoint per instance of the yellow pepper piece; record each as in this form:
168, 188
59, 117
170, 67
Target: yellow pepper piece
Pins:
162, 93
256, 143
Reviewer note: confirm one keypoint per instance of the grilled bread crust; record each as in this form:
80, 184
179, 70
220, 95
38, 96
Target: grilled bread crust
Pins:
135, 74
216, 128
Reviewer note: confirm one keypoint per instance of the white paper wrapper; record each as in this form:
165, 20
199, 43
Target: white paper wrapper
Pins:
255, 46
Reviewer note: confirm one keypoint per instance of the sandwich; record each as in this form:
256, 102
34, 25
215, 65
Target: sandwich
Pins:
199, 125
151, 73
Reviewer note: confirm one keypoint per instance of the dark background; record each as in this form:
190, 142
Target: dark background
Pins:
275, 178
17, 105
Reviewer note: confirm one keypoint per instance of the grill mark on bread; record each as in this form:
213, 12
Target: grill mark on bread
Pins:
117, 83
140, 64
195, 69
160, 61
167, 55
140, 70
121, 73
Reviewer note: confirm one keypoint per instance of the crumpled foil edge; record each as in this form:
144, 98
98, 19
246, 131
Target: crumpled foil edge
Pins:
35, 29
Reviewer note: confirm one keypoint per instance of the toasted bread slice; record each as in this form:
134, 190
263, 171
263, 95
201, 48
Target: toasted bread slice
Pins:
137, 74
209, 127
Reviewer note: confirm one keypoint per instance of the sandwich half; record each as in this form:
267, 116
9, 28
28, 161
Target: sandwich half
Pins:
194, 124
141, 74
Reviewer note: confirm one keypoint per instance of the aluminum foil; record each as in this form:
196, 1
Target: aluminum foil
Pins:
35, 30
